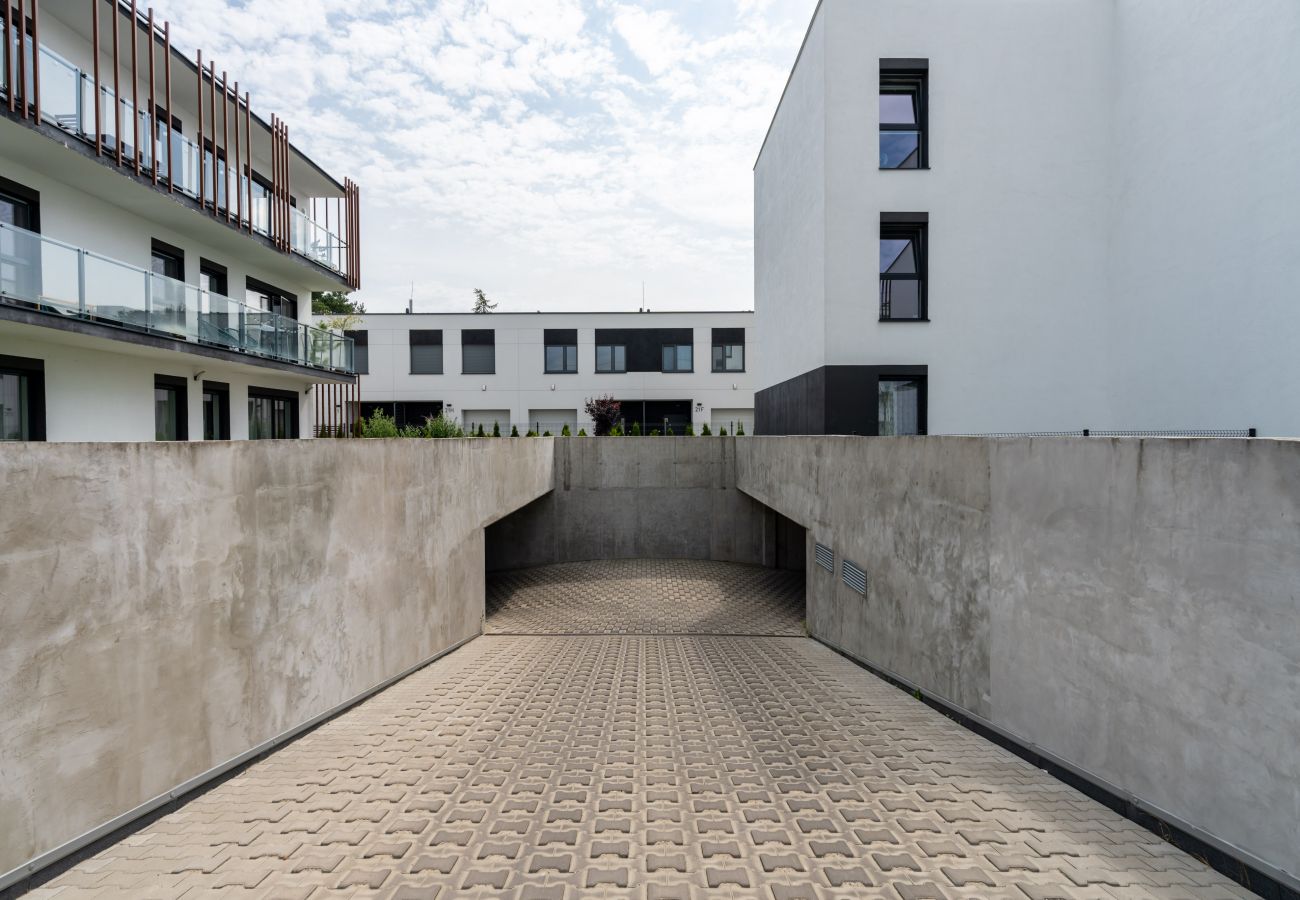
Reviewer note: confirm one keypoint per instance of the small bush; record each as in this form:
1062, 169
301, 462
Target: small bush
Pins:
654, 432
740, 429
514, 431
582, 432
704, 430
668, 430
411, 431
690, 431
722, 432
616, 431
379, 425
531, 433
547, 434
496, 429
440, 426
565, 432
603, 412
636, 429
481, 432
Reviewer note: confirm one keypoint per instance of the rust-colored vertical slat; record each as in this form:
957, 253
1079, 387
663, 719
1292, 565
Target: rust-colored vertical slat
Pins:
225, 138
203, 182
135, 85
25, 90
288, 188
11, 75
36, 57
167, 89
117, 86
153, 103
212, 100
239, 168
248, 147
273, 200
319, 393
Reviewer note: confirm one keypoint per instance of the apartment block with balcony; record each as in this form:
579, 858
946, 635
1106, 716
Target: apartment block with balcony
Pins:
159, 241
536, 371
997, 216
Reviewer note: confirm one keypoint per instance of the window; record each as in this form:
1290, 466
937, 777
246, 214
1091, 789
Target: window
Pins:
903, 114
212, 279
22, 399
271, 299
20, 253
561, 351
426, 352
903, 267
170, 410
678, 358
478, 347
901, 406
272, 415
216, 411
361, 351
728, 349
611, 358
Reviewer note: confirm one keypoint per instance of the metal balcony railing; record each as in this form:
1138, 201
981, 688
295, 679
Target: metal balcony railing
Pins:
36, 271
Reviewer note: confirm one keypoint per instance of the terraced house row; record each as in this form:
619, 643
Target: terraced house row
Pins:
159, 241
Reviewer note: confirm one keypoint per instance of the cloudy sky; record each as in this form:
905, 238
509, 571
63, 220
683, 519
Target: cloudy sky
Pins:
556, 153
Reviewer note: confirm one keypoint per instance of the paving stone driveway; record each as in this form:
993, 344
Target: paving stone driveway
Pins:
646, 596
649, 767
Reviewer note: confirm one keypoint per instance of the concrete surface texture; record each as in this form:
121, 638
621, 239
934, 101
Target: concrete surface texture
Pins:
168, 607
613, 766
646, 596
650, 498
1128, 607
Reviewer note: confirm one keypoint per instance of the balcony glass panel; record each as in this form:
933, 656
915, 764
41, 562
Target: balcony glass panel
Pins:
55, 277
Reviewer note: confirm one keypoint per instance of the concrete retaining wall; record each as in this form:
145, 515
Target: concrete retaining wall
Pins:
168, 607
617, 498
1131, 608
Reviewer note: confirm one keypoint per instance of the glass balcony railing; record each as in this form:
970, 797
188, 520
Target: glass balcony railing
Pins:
38, 272
68, 101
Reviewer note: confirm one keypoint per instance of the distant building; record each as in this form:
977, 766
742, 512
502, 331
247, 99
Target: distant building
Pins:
159, 243
537, 370
1007, 216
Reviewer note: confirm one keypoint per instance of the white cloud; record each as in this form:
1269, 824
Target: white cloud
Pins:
555, 154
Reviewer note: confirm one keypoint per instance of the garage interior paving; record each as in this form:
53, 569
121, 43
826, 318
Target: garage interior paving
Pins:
649, 765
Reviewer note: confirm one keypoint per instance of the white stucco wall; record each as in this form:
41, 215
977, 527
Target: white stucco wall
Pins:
521, 384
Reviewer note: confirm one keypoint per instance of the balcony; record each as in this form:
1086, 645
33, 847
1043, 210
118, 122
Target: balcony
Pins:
67, 96
37, 272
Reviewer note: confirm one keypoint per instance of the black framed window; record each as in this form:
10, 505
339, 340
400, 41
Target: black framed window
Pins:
216, 411
904, 90
272, 299
167, 260
22, 399
20, 254
360, 350
728, 349
561, 351
213, 278
901, 405
678, 358
611, 358
903, 265
272, 414
170, 408
426, 352
478, 347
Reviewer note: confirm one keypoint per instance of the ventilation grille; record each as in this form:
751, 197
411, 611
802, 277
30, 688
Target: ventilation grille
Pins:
825, 557
854, 577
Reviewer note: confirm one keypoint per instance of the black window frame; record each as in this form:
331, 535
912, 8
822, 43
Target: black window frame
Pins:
909, 373
426, 337
478, 337
214, 270
676, 370
217, 389
274, 295
360, 349
722, 339
565, 340
614, 369
169, 253
33, 370
182, 388
914, 227
290, 397
909, 77
28, 197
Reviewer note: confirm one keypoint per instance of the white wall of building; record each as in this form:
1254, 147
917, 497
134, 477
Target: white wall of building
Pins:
1113, 234
521, 384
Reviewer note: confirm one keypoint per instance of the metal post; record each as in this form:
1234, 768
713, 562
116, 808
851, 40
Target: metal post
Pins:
153, 104
248, 148
36, 56
11, 78
117, 86
167, 81
203, 185
239, 169
22, 53
81, 276
135, 86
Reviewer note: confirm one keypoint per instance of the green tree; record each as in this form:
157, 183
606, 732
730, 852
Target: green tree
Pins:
481, 303
335, 303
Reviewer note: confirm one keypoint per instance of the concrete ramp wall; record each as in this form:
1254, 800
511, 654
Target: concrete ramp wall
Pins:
167, 608
1128, 608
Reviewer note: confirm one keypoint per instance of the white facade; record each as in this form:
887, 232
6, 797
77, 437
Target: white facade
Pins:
1113, 237
522, 393
84, 305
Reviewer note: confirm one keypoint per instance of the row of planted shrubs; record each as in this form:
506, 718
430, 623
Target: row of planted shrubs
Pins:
382, 425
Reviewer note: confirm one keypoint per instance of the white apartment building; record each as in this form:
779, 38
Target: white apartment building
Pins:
1087, 215
159, 242
537, 370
